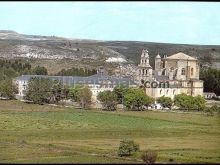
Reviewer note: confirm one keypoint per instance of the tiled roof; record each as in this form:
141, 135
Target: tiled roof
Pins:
181, 56
94, 79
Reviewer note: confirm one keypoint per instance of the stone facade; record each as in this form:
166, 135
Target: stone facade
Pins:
178, 73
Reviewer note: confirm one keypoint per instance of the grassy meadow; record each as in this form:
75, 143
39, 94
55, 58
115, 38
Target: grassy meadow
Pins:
49, 134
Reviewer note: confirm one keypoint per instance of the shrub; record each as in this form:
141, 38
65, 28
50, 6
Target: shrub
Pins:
149, 157
187, 102
215, 108
166, 102
127, 148
211, 110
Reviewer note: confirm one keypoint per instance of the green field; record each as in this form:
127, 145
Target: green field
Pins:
48, 134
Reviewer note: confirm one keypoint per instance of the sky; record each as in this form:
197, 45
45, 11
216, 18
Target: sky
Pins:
167, 22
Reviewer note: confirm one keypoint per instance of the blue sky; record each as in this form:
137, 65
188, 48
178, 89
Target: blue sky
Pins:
169, 22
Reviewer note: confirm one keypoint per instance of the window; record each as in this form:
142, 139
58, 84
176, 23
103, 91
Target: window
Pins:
183, 71
146, 72
191, 71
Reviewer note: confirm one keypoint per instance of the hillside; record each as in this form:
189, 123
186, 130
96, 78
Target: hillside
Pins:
56, 52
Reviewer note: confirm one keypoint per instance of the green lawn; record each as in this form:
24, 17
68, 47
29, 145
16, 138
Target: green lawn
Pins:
47, 134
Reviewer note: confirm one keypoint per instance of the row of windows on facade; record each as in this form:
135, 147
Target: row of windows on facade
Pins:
167, 91
84, 82
174, 91
183, 71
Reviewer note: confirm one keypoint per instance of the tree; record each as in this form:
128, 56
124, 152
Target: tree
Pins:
166, 102
135, 99
187, 102
45, 90
12, 68
149, 100
76, 72
10, 72
108, 100
38, 70
119, 91
39, 90
211, 78
84, 97
184, 101
127, 147
199, 103
58, 92
8, 89
74, 92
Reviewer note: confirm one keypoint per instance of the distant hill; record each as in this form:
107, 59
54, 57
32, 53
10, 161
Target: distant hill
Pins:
57, 52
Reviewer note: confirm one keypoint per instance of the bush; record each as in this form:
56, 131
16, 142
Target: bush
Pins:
166, 102
127, 148
215, 108
187, 102
149, 157
211, 110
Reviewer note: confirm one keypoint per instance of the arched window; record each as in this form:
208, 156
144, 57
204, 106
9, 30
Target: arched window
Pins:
183, 71
143, 71
191, 71
146, 72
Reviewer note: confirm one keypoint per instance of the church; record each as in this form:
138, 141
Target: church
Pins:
172, 75
176, 74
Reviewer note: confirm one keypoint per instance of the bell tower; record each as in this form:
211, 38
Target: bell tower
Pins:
144, 68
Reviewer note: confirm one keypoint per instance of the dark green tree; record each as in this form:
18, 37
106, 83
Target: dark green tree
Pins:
136, 99
166, 102
74, 92
119, 91
38, 70
211, 78
84, 97
8, 89
108, 100
39, 90
187, 102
